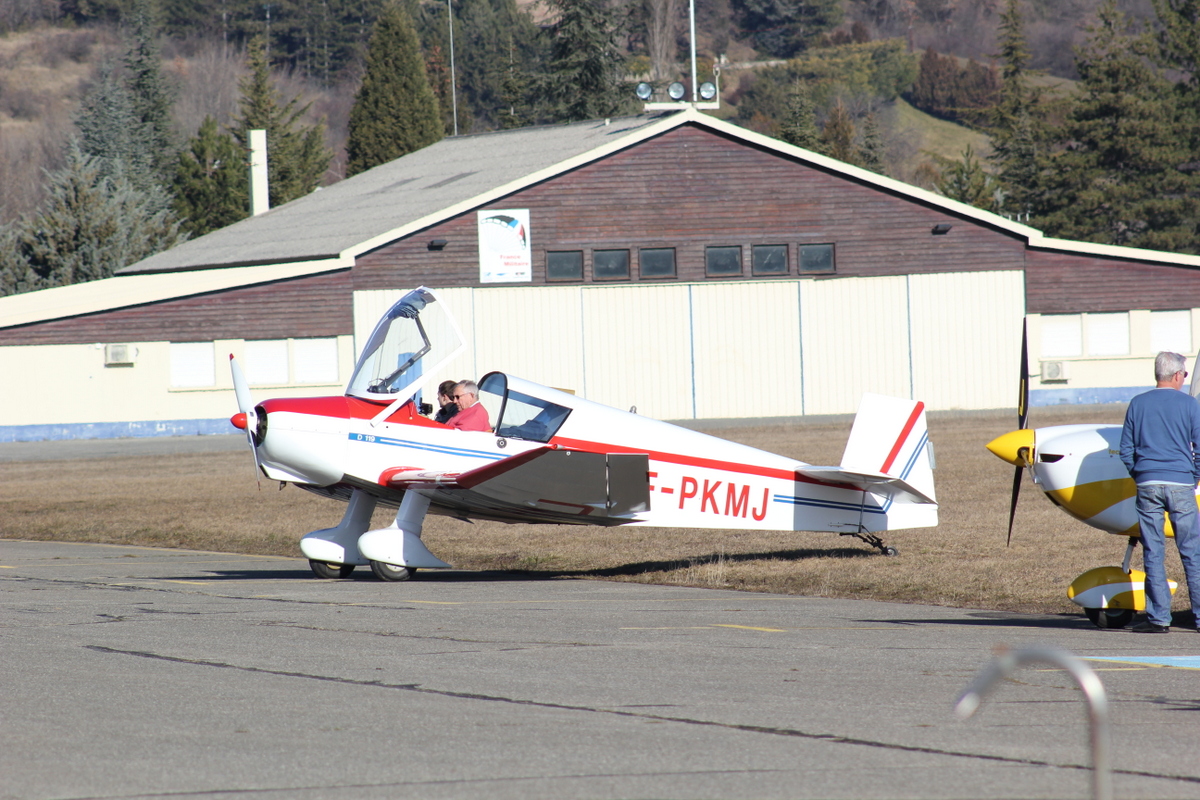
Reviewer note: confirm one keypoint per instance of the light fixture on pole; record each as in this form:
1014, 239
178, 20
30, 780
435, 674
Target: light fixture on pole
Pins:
453, 89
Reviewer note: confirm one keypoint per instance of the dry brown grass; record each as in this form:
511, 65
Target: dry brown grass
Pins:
211, 501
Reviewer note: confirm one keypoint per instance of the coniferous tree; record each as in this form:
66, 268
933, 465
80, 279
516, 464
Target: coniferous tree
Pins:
296, 155
966, 181
585, 71
1117, 179
1019, 137
153, 95
395, 111
871, 150
799, 126
211, 181
111, 132
837, 138
91, 225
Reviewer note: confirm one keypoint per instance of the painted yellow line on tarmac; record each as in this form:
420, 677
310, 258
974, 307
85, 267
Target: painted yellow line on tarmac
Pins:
752, 628
3, 566
190, 583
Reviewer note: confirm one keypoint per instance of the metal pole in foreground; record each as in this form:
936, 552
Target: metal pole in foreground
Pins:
1093, 692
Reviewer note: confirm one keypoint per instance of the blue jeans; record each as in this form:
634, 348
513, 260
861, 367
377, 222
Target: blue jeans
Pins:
1180, 503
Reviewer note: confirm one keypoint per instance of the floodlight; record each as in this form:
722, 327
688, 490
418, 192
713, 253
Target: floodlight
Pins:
708, 90
675, 91
644, 90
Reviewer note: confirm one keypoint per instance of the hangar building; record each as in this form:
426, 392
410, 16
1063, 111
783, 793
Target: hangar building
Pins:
672, 262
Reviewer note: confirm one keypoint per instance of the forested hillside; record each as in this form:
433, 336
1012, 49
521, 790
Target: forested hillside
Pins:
125, 120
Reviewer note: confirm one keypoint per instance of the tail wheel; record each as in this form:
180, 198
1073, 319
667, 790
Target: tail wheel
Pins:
392, 572
326, 571
1109, 617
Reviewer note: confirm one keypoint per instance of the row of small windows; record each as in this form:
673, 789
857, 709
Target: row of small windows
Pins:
723, 261
265, 362
1108, 334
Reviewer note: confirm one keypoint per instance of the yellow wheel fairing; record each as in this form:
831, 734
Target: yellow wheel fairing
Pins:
1110, 587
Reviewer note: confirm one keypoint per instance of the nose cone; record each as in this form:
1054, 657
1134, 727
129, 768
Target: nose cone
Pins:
1009, 446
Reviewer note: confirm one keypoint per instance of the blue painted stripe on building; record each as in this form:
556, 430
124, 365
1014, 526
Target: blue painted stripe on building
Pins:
1075, 397
117, 430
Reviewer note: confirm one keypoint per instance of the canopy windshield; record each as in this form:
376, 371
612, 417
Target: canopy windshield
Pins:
413, 340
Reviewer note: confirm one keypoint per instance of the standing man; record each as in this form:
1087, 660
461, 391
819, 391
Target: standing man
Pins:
1160, 446
472, 416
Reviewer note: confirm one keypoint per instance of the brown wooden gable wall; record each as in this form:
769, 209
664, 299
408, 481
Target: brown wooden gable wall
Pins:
692, 188
1071, 283
316, 306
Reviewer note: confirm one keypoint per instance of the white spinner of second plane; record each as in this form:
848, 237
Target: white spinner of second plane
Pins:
553, 457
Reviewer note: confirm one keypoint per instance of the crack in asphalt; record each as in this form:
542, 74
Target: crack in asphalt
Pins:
831, 738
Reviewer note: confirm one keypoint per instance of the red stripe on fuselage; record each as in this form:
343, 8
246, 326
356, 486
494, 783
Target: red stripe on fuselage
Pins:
908, 426
346, 407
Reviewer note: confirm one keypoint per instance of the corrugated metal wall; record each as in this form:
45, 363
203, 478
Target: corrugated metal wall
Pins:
762, 348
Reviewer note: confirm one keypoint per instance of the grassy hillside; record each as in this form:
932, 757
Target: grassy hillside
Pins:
922, 137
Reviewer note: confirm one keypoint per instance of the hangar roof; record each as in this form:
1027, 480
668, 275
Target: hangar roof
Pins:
457, 174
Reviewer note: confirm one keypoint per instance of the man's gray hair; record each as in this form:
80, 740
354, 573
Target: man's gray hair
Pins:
470, 387
1166, 364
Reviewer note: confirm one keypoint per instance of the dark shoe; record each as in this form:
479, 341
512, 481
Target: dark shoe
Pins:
1150, 627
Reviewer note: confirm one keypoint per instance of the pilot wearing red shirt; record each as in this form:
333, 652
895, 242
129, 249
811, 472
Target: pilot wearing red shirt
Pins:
471, 416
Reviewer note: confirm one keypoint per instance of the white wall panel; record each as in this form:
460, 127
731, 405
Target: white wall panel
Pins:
855, 340
966, 338
747, 349
536, 335
637, 349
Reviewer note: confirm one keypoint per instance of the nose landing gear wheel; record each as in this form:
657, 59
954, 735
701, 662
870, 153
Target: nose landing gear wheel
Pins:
327, 571
391, 572
1109, 617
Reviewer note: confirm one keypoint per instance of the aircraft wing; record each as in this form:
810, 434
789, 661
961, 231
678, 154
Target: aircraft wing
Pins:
548, 484
877, 482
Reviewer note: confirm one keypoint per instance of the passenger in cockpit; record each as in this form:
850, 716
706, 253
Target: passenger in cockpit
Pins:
447, 408
471, 416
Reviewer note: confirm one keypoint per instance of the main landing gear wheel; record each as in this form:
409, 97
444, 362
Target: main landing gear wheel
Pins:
392, 572
1109, 617
325, 570
874, 541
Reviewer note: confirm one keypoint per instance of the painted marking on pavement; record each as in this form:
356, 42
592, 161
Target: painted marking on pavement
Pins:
752, 628
1174, 662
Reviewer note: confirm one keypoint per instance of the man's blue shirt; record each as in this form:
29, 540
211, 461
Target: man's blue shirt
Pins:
1161, 437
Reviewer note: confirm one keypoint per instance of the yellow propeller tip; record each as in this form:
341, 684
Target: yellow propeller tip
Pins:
1008, 447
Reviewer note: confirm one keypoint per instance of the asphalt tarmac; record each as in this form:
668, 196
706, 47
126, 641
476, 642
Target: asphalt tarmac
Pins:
136, 672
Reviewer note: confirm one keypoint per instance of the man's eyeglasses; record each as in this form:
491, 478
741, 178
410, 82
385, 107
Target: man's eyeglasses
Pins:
458, 396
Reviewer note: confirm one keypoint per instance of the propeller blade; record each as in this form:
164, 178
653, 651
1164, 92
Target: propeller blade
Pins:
1023, 396
1012, 509
241, 389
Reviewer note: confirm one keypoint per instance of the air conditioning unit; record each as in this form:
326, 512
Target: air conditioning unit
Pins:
120, 355
1055, 370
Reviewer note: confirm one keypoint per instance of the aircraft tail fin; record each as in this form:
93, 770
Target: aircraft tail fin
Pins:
890, 439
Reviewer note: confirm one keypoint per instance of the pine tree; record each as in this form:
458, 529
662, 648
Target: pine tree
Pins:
296, 156
211, 181
153, 96
871, 151
111, 131
799, 126
967, 182
1117, 180
837, 138
1019, 137
395, 111
90, 226
585, 72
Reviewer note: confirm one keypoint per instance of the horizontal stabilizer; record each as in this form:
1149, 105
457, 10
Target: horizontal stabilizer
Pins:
875, 482
547, 484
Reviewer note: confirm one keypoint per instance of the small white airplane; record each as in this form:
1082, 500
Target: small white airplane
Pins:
552, 457
1079, 468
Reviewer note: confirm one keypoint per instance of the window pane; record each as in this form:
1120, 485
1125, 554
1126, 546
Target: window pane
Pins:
192, 364
564, 266
816, 258
267, 362
1170, 330
1062, 335
723, 260
770, 259
658, 262
1108, 334
316, 360
610, 264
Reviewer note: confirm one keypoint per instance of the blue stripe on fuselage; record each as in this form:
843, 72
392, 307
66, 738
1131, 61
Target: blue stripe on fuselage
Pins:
368, 438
